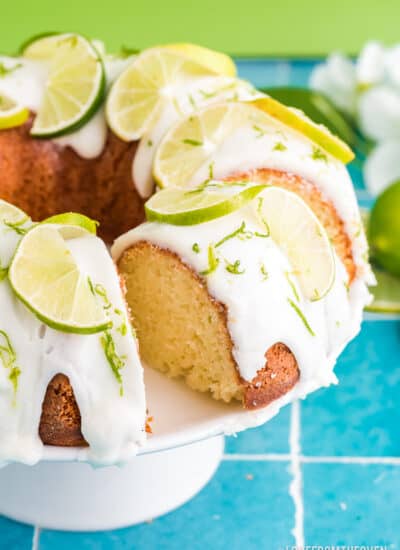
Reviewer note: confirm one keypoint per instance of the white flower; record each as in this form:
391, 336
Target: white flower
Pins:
337, 80
382, 166
370, 65
379, 112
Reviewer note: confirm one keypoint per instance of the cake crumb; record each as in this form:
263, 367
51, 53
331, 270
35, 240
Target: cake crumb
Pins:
343, 505
249, 477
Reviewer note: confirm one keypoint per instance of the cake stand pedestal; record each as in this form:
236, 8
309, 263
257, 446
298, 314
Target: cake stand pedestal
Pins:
75, 496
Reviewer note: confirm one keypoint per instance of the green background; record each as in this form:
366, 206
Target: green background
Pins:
246, 27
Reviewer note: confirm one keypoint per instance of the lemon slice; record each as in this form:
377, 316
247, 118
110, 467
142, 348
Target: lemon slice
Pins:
192, 143
46, 278
300, 235
180, 207
137, 97
217, 62
74, 219
297, 120
75, 85
11, 114
386, 293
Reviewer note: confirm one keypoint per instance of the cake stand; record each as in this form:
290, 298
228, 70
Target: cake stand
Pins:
64, 492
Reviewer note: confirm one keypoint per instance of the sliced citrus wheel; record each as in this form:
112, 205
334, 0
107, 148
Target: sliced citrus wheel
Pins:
140, 93
39, 46
386, 293
11, 114
298, 121
180, 207
193, 142
217, 62
300, 235
75, 85
10, 214
46, 278
72, 218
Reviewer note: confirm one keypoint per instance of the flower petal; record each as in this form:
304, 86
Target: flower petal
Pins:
379, 113
382, 167
370, 66
336, 80
392, 63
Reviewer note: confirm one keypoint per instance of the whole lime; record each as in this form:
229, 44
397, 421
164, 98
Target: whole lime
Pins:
384, 229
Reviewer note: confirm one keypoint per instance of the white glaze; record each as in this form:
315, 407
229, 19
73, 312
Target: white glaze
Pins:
259, 313
112, 424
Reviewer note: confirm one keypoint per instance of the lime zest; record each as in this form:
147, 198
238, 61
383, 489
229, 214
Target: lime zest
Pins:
279, 146
8, 357
292, 286
17, 226
116, 362
213, 261
318, 154
196, 248
3, 273
234, 267
264, 272
302, 316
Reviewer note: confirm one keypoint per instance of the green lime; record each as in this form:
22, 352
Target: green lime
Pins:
384, 229
46, 278
75, 86
386, 293
72, 218
203, 204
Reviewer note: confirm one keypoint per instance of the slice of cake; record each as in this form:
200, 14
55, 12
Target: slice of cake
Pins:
252, 303
71, 374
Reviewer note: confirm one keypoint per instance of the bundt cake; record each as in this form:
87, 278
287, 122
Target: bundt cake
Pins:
247, 280
75, 384
221, 302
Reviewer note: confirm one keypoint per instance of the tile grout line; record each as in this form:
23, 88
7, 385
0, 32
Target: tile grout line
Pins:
282, 457
35, 538
296, 485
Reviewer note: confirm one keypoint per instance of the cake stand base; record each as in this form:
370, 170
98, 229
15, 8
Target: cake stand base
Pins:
76, 497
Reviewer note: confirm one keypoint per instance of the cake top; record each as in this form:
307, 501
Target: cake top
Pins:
63, 311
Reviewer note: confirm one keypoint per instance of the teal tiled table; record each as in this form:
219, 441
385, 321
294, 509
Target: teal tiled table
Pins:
325, 472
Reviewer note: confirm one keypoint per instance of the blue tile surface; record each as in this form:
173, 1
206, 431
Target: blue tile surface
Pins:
15, 536
247, 504
273, 437
337, 514
362, 416
231, 512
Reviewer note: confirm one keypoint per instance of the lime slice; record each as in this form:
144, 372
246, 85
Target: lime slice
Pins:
137, 97
75, 86
297, 120
180, 207
192, 143
386, 293
45, 277
72, 218
11, 114
216, 62
297, 231
10, 214
38, 46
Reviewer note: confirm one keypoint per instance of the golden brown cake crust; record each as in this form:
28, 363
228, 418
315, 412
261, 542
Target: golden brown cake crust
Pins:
60, 423
44, 179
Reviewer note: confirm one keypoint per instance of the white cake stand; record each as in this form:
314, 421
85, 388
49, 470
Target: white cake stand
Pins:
63, 492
